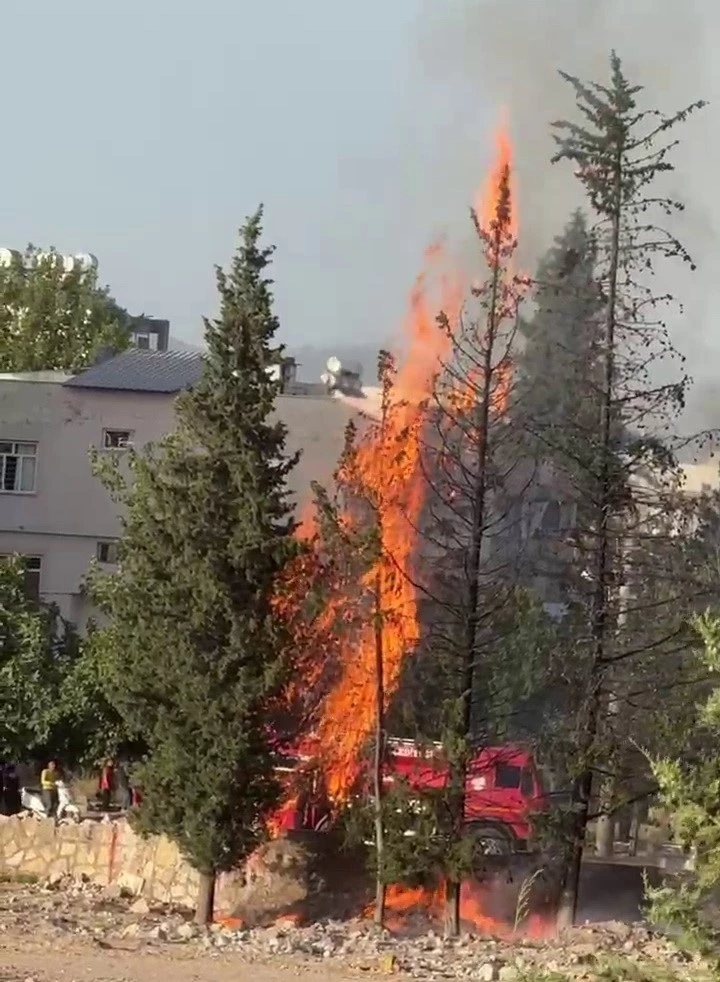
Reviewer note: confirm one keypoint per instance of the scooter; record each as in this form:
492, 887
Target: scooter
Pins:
31, 800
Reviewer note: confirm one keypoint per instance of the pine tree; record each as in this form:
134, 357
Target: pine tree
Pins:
194, 654
476, 613
624, 467
560, 357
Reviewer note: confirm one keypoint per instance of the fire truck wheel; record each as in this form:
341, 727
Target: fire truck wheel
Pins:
492, 840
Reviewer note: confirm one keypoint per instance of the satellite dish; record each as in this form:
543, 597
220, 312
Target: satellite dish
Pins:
7, 256
334, 365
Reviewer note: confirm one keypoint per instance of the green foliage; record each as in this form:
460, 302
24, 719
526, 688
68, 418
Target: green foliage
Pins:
559, 365
37, 652
420, 845
53, 319
690, 794
193, 655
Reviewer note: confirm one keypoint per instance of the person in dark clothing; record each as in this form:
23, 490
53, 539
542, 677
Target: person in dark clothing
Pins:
122, 788
11, 790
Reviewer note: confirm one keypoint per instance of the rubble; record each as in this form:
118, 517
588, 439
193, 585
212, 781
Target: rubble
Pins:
74, 907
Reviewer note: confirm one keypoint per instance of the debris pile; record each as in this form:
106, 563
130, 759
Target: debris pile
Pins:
106, 916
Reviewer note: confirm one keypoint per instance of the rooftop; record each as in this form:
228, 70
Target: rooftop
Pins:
138, 370
143, 370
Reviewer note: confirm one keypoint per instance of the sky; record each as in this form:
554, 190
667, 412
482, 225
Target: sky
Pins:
145, 133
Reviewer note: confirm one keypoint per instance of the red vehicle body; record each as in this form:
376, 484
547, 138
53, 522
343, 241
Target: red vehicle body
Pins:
503, 790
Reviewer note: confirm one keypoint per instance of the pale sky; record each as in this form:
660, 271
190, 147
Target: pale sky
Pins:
144, 132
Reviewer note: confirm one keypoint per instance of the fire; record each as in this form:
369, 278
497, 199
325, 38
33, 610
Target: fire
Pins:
403, 903
490, 198
388, 467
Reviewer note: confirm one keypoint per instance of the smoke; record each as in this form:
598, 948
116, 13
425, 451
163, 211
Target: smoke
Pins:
506, 53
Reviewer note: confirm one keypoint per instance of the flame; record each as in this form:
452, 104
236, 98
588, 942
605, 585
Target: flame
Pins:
402, 903
387, 467
501, 173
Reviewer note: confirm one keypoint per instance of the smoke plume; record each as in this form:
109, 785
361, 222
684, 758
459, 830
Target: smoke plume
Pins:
506, 53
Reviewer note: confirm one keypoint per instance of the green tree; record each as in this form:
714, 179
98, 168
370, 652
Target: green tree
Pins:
560, 358
193, 653
38, 650
624, 472
690, 793
53, 318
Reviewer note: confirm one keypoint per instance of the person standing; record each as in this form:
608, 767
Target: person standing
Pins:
107, 784
122, 787
48, 786
11, 790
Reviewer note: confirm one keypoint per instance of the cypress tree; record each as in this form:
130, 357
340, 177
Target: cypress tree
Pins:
194, 654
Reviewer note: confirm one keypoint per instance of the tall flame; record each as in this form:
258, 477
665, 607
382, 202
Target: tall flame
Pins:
388, 465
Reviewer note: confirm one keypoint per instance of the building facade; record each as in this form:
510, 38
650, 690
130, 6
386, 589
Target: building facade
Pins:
55, 512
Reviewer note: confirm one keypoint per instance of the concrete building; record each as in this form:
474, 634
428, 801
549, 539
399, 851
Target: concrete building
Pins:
56, 513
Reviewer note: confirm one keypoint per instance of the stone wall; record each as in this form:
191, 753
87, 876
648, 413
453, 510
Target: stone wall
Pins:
103, 852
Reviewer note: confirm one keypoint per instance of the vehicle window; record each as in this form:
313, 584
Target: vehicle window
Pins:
527, 784
507, 776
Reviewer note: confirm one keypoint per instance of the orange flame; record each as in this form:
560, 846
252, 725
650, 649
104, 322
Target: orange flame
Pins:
401, 903
388, 467
486, 205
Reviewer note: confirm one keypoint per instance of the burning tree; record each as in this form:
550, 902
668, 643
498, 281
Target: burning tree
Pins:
194, 653
483, 630
624, 476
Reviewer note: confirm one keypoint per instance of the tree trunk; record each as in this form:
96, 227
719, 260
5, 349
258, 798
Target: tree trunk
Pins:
570, 890
458, 766
605, 832
603, 570
452, 909
206, 899
379, 755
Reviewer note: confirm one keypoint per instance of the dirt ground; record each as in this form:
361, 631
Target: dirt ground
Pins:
28, 959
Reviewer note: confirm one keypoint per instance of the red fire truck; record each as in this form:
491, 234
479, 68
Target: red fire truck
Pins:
503, 790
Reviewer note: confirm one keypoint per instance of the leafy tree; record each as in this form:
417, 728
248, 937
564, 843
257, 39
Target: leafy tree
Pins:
51, 318
37, 651
690, 792
193, 655
623, 471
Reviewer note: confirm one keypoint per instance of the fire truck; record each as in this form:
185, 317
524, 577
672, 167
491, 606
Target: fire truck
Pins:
503, 790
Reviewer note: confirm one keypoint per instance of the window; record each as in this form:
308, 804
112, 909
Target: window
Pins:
107, 552
117, 439
507, 776
33, 565
527, 784
18, 464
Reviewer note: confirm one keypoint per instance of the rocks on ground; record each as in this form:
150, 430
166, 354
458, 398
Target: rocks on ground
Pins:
109, 918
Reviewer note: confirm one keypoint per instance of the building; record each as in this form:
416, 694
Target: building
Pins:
56, 513
149, 333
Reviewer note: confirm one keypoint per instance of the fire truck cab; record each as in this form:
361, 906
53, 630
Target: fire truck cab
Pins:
503, 790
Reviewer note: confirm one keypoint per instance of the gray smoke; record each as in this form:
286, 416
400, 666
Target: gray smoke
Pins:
508, 52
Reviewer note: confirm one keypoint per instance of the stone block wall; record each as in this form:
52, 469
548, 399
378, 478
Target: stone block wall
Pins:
106, 852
